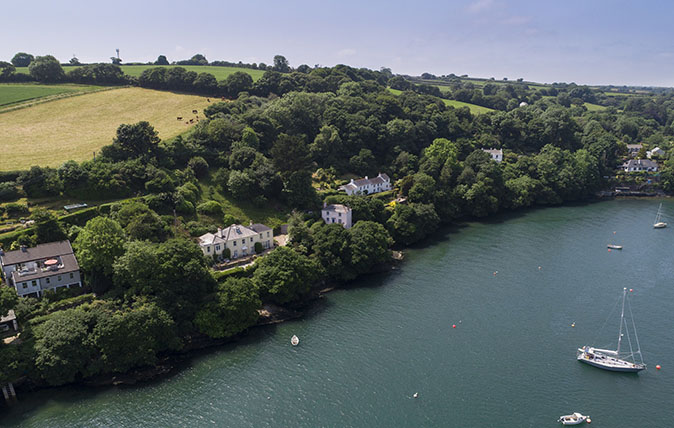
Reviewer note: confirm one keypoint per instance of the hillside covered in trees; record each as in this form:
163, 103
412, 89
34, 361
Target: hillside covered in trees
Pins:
285, 143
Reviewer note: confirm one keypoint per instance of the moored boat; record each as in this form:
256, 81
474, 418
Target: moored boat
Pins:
658, 223
615, 247
573, 419
294, 340
611, 360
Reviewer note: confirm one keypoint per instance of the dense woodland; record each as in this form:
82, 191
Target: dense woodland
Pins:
288, 141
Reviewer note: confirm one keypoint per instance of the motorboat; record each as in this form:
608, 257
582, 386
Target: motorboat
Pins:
615, 247
294, 340
574, 419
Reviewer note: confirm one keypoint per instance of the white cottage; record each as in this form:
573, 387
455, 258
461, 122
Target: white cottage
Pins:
496, 154
240, 240
337, 214
367, 186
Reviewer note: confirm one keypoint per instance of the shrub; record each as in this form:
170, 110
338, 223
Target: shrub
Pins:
226, 253
196, 228
210, 208
14, 210
8, 191
258, 248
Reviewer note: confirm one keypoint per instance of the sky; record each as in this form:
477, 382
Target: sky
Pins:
582, 41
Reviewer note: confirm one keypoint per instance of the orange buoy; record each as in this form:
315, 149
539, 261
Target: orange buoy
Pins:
658, 367
589, 421
453, 325
631, 290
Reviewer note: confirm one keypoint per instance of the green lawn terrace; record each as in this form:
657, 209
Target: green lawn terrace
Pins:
219, 72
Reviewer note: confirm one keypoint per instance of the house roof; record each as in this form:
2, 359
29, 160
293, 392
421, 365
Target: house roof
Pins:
634, 146
493, 151
337, 208
42, 251
9, 317
259, 227
227, 234
355, 184
644, 163
68, 264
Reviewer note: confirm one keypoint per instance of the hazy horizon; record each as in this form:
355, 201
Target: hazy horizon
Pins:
597, 42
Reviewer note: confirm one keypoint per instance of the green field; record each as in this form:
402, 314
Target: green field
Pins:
219, 72
49, 134
593, 107
475, 109
12, 94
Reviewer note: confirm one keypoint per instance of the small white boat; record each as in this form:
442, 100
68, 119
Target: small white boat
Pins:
615, 247
658, 223
294, 340
574, 419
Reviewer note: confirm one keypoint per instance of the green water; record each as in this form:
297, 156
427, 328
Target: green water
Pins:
365, 351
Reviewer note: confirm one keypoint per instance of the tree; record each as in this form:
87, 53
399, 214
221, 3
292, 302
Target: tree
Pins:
74, 61
137, 140
46, 69
206, 83
97, 246
283, 275
370, 244
6, 70
63, 350
161, 60
22, 59
332, 249
8, 299
234, 309
281, 64
240, 184
237, 82
48, 228
199, 165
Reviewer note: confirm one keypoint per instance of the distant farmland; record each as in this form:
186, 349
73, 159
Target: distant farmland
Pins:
51, 133
219, 72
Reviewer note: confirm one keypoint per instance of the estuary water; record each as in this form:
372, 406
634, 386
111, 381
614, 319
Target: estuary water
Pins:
364, 351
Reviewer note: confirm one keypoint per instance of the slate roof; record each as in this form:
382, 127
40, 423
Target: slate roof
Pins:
68, 261
355, 184
235, 231
337, 208
493, 151
42, 251
643, 163
259, 227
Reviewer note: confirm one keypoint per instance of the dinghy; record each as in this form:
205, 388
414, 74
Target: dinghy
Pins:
294, 340
574, 419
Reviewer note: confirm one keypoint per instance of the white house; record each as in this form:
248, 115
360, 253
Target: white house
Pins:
655, 152
496, 154
240, 240
640, 165
367, 186
32, 271
633, 149
337, 214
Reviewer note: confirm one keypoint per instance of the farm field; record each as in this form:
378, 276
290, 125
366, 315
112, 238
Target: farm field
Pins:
51, 133
12, 94
593, 107
475, 109
219, 72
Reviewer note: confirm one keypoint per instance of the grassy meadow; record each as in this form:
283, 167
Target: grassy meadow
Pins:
13, 94
219, 72
49, 134
475, 109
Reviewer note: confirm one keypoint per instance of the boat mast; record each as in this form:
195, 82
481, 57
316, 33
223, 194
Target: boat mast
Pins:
622, 316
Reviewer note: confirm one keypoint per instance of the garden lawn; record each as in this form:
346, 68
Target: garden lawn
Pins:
51, 133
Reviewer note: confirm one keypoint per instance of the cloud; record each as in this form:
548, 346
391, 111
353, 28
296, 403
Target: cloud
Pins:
346, 52
480, 6
517, 20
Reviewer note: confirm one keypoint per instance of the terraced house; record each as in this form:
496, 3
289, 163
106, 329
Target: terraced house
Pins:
240, 240
33, 271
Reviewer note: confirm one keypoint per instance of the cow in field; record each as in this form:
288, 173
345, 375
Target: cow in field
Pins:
195, 111
179, 118
191, 120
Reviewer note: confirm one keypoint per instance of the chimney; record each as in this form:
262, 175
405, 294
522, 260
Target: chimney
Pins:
352, 181
219, 232
24, 248
251, 223
366, 177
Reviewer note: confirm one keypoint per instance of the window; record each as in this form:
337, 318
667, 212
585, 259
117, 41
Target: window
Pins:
33, 283
234, 243
71, 275
24, 285
59, 278
208, 249
47, 280
251, 239
217, 248
267, 234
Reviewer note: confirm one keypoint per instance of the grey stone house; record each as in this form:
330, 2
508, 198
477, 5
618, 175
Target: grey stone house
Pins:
32, 271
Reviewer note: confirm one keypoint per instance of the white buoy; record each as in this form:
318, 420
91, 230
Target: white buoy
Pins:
294, 340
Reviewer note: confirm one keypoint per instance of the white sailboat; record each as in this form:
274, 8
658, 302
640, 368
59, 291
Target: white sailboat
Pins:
616, 361
658, 223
